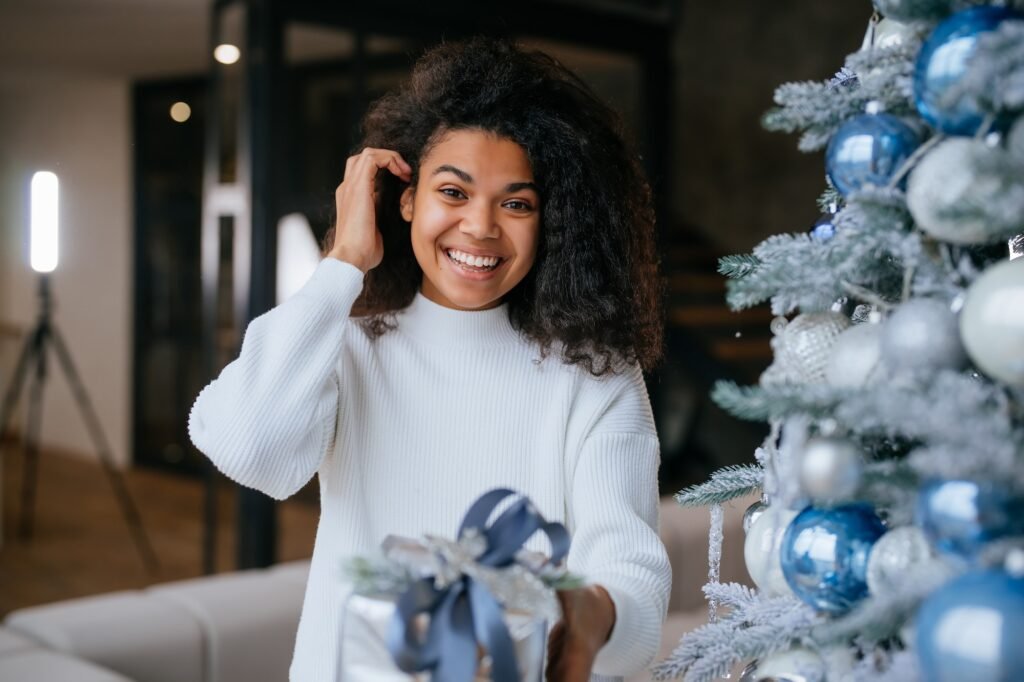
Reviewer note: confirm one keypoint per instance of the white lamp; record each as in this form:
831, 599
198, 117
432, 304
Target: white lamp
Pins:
45, 217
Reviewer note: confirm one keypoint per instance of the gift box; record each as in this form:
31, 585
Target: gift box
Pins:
474, 609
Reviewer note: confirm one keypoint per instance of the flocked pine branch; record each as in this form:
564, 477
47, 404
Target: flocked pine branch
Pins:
754, 628
817, 109
724, 485
871, 251
761, 403
738, 266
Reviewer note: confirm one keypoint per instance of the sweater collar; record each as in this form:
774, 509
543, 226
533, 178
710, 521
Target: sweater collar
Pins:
429, 321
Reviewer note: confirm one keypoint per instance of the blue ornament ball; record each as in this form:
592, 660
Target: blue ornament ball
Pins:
959, 516
824, 229
942, 62
970, 629
869, 148
825, 555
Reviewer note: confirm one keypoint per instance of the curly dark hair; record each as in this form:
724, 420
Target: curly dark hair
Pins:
594, 287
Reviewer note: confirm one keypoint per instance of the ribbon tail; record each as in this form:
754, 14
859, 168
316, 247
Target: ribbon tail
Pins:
492, 631
453, 622
408, 651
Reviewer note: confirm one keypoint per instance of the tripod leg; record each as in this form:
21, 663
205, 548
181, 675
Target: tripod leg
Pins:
30, 476
128, 508
14, 390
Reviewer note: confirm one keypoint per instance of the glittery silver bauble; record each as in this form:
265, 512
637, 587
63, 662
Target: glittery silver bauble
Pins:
761, 550
911, 10
945, 180
886, 33
992, 322
923, 333
752, 514
893, 555
796, 665
855, 357
802, 348
830, 469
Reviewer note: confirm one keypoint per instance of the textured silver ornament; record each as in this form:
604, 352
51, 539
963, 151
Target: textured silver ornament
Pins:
752, 514
831, 469
795, 665
992, 322
894, 556
802, 348
946, 178
761, 550
856, 357
923, 333
885, 33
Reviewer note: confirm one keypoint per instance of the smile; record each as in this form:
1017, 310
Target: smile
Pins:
471, 263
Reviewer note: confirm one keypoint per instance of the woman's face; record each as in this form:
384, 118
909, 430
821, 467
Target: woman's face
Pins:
475, 216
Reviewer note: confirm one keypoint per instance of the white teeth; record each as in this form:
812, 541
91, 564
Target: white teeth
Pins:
473, 261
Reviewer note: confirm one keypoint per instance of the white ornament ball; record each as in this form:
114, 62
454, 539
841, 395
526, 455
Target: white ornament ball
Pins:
893, 556
855, 357
831, 469
992, 322
1015, 140
802, 348
798, 664
761, 550
922, 334
946, 178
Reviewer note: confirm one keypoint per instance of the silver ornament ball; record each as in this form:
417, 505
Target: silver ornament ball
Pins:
945, 179
856, 357
752, 514
922, 334
895, 554
831, 469
992, 322
761, 550
802, 348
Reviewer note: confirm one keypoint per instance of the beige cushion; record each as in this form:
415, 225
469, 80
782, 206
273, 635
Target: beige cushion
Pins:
42, 665
249, 620
139, 637
11, 641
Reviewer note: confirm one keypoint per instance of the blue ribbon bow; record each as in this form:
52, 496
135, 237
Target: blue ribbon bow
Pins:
465, 613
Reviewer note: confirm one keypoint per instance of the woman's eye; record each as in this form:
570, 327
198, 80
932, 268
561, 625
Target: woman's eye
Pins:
452, 192
518, 205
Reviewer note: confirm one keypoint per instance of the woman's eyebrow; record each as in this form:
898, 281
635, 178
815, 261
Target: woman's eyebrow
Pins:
466, 177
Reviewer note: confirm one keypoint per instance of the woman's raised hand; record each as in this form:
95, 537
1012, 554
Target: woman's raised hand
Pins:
356, 237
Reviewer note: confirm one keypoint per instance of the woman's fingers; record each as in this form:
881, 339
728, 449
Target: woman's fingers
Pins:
357, 239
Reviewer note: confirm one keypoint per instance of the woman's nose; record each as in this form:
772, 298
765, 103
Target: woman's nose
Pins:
479, 223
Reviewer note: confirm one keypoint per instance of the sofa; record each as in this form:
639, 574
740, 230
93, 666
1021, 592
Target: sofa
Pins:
240, 627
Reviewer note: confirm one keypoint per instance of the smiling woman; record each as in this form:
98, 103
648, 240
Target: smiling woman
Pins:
493, 232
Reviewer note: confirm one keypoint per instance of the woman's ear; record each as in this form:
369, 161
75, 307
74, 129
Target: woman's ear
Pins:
405, 203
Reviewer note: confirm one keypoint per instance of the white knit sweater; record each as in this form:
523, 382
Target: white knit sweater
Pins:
407, 430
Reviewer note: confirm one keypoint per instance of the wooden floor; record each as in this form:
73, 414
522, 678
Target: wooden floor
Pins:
82, 546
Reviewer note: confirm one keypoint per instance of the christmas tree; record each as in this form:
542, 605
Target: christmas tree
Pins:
889, 543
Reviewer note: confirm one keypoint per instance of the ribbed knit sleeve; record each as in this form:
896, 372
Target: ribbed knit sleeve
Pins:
614, 504
269, 419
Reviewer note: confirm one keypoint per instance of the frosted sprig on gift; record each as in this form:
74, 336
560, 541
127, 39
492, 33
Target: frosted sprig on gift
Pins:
754, 627
994, 79
725, 484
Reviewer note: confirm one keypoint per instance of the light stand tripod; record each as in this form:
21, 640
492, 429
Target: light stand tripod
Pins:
34, 352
